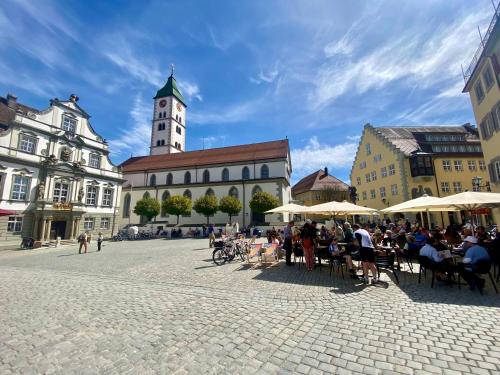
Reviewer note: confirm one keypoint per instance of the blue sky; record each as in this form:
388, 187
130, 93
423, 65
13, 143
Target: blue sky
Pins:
314, 71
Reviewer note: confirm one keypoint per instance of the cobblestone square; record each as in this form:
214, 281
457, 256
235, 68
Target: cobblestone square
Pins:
162, 306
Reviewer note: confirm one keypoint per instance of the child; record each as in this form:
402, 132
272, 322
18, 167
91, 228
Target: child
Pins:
99, 241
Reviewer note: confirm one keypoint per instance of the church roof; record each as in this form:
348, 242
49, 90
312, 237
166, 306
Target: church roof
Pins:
318, 180
223, 155
170, 89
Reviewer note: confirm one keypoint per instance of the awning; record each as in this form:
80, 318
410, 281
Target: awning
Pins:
6, 212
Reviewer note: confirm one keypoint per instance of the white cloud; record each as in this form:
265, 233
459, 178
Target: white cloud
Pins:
353, 137
237, 113
191, 90
316, 156
213, 141
136, 139
266, 76
413, 55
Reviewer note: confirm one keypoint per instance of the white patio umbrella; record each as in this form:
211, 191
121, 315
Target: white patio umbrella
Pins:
341, 208
287, 209
468, 200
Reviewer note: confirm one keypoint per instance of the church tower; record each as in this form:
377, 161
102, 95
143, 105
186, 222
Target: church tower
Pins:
169, 120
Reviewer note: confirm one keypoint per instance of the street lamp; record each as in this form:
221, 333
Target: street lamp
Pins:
476, 184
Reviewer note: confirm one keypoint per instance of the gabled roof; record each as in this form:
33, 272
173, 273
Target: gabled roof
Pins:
223, 155
68, 105
8, 114
404, 138
170, 89
318, 180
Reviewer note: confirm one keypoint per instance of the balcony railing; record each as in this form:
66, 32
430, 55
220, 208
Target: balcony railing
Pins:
484, 39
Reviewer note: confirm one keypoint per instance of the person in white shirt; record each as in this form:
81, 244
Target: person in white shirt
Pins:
366, 253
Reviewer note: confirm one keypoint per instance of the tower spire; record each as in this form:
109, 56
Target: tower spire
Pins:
171, 70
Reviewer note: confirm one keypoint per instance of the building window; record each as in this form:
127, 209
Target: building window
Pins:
233, 192
382, 192
170, 178
161, 126
458, 165
210, 192
358, 180
15, 224
447, 165
162, 142
245, 173
392, 170
105, 223
94, 161
383, 172
372, 194
88, 223
225, 174
20, 188
457, 186
187, 177
445, 187
206, 176
368, 177
362, 165
377, 158
178, 130
158, 142
496, 168
69, 124
27, 144
478, 89
152, 180
164, 197
488, 77
264, 171
364, 195
482, 165
60, 192
368, 149
472, 165
421, 166
107, 197
187, 194
256, 189
126, 205
394, 189
91, 195
374, 175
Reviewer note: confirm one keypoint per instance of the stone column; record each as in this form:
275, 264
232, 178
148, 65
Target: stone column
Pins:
72, 229
77, 226
36, 224
47, 233
42, 233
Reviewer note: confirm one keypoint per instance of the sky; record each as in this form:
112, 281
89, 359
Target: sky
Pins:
313, 71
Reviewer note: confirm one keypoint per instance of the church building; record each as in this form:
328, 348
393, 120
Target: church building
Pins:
239, 171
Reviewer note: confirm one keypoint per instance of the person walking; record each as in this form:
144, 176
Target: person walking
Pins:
100, 238
308, 235
366, 253
83, 242
288, 244
211, 235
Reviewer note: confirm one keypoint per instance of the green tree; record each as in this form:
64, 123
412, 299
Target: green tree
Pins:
148, 207
230, 205
262, 202
206, 205
177, 205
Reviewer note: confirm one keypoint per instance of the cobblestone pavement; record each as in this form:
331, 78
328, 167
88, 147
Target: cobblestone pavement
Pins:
161, 306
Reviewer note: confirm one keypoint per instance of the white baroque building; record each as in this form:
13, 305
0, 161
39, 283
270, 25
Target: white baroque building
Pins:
56, 179
169, 170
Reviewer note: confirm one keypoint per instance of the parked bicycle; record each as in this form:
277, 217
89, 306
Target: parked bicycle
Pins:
27, 243
226, 250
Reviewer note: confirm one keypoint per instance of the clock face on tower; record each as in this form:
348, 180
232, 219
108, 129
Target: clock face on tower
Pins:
179, 107
163, 103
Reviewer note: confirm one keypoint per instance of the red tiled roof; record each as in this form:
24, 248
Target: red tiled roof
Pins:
318, 181
222, 155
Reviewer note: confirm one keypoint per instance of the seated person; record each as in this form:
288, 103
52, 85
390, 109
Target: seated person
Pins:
387, 240
436, 258
476, 260
336, 251
481, 235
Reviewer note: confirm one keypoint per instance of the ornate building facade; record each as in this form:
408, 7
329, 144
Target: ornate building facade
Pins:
239, 171
56, 179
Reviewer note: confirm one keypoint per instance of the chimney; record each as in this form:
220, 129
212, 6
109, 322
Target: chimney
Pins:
11, 101
326, 171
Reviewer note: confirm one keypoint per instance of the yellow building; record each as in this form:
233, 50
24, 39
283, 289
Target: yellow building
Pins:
482, 82
319, 187
396, 164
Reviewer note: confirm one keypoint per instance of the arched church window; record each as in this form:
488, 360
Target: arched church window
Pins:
159, 115
126, 205
233, 192
225, 174
187, 194
176, 118
164, 197
164, 114
264, 171
206, 176
187, 178
170, 179
245, 173
209, 192
146, 195
180, 119
163, 142
256, 189
152, 180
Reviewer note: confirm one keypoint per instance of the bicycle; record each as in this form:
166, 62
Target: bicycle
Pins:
227, 251
27, 243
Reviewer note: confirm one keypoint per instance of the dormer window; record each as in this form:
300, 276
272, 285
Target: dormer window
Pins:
95, 161
69, 124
